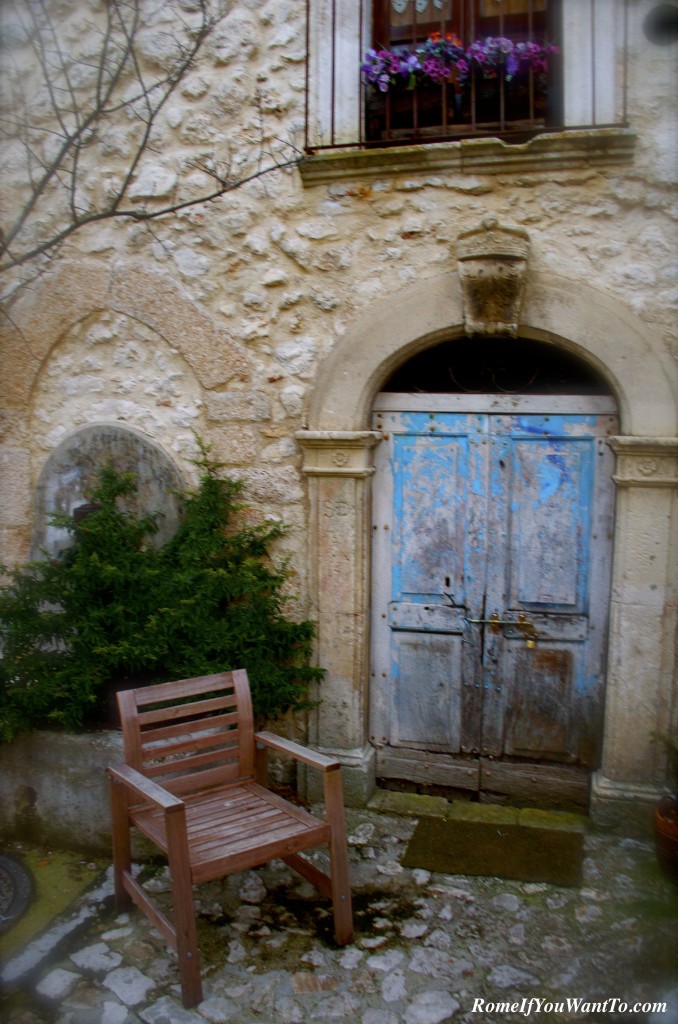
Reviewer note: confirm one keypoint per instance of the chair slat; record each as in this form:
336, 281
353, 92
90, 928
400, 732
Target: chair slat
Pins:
202, 780
181, 688
249, 855
187, 766
279, 831
261, 824
225, 811
272, 829
195, 709
250, 819
227, 740
230, 715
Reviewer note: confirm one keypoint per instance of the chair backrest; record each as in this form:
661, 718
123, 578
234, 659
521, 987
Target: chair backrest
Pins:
191, 734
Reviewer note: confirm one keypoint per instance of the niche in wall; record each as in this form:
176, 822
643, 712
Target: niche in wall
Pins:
73, 467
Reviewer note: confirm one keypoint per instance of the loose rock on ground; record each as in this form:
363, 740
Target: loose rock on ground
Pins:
429, 948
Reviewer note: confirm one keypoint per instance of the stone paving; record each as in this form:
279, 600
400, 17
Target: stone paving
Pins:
429, 947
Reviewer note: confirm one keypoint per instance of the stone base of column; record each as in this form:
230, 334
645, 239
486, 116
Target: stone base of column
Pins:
622, 806
358, 772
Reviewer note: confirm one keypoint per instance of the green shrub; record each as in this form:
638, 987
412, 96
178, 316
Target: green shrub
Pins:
118, 610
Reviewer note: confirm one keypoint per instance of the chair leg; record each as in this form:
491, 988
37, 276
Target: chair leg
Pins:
341, 887
184, 911
122, 846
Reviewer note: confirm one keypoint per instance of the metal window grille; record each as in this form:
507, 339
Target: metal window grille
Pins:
584, 84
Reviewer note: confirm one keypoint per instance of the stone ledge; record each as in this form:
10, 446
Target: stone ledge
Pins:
417, 805
551, 151
408, 805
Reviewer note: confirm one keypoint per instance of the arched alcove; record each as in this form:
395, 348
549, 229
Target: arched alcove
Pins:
72, 469
70, 342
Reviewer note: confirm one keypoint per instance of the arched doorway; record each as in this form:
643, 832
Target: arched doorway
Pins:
338, 453
491, 560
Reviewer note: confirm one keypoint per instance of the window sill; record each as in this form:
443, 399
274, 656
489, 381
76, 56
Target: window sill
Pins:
587, 147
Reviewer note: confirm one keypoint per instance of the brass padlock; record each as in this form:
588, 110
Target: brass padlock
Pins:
531, 643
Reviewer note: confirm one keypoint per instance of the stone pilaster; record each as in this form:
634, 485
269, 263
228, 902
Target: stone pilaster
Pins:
641, 685
338, 467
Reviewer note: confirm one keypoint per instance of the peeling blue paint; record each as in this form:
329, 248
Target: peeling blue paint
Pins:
498, 511
552, 475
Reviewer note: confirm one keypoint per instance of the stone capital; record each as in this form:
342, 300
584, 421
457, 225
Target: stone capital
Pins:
645, 461
337, 452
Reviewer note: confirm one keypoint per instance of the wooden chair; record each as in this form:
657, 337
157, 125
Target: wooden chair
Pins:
194, 783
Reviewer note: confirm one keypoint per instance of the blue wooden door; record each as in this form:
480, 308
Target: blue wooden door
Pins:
491, 581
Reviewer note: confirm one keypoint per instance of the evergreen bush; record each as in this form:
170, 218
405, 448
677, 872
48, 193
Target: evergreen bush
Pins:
118, 610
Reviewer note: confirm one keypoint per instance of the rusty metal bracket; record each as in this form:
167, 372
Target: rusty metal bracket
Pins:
522, 623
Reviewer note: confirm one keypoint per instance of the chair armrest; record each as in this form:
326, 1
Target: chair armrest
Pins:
144, 788
295, 750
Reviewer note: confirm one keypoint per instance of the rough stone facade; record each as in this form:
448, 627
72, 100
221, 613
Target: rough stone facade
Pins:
268, 321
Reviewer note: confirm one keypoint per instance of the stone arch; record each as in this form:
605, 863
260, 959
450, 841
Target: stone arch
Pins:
43, 314
111, 367
337, 445
62, 301
587, 322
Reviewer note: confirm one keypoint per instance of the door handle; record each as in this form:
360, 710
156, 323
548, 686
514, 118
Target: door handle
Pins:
522, 623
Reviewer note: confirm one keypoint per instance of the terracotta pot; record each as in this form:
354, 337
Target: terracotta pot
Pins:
666, 836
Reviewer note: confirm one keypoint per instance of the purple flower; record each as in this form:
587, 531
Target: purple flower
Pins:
382, 68
443, 60
512, 65
498, 52
436, 69
463, 68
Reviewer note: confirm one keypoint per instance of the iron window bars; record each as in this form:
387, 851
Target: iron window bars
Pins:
582, 83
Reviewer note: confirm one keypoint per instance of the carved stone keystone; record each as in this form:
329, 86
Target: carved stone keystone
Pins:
492, 264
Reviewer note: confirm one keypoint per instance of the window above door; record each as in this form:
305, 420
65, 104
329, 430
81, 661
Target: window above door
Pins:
465, 75
440, 69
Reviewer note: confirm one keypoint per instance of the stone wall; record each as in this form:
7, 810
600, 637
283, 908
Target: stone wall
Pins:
224, 318
54, 788
276, 272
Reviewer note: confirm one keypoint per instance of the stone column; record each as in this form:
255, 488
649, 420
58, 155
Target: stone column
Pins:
338, 467
642, 692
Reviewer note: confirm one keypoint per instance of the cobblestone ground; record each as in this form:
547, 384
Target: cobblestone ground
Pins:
429, 948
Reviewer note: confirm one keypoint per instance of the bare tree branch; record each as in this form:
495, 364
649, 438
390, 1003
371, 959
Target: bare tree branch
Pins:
75, 101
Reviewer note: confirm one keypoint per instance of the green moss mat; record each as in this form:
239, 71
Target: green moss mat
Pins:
525, 853
58, 879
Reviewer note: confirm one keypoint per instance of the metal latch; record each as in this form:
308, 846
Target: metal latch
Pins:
522, 623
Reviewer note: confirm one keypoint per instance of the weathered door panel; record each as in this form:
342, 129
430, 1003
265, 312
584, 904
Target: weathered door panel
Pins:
429, 528
550, 508
487, 513
432, 660
429, 472
538, 717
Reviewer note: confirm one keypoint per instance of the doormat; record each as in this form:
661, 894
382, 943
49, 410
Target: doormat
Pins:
524, 853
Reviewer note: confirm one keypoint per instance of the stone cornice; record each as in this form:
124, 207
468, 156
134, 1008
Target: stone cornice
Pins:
544, 153
645, 461
337, 452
